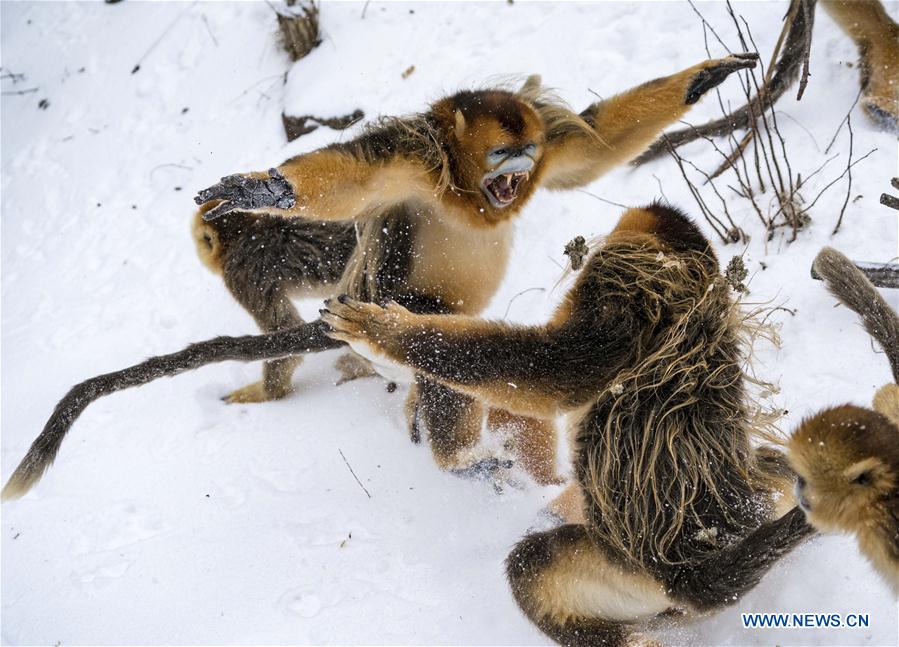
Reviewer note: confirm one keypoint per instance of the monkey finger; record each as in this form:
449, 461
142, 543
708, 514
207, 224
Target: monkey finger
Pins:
222, 190
746, 56
361, 307
219, 210
340, 320
394, 307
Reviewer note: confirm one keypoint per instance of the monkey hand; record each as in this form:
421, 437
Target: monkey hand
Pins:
250, 192
371, 331
712, 73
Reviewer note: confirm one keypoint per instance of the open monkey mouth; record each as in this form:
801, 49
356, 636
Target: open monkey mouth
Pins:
502, 189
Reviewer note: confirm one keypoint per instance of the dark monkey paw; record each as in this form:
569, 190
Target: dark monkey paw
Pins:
243, 193
716, 72
491, 470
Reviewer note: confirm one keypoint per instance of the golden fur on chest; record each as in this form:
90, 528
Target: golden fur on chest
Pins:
464, 266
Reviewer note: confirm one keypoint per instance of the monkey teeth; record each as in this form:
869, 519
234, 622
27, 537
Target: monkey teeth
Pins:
503, 188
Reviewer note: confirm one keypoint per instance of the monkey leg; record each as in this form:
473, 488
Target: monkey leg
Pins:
569, 506
877, 38
576, 595
410, 408
273, 311
265, 260
535, 443
353, 367
452, 420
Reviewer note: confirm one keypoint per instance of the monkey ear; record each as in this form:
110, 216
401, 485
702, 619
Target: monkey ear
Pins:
460, 124
531, 86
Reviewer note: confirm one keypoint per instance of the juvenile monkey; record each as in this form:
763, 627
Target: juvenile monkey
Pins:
434, 197
673, 513
847, 457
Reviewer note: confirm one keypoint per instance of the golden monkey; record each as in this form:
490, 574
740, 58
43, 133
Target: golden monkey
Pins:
673, 513
847, 457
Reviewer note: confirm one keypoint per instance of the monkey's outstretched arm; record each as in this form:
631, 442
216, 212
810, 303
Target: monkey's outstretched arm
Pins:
250, 348
536, 370
729, 573
625, 125
335, 183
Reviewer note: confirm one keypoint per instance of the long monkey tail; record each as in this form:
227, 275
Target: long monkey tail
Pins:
849, 284
306, 338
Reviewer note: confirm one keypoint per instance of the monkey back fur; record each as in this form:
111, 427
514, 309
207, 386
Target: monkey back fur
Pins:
666, 450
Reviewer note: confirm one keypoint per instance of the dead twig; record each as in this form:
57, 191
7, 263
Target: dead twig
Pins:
349, 467
849, 174
159, 39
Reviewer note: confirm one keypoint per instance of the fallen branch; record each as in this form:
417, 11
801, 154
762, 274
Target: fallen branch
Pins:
296, 127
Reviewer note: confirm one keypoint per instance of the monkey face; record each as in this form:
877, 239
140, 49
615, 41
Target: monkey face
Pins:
845, 465
511, 167
498, 140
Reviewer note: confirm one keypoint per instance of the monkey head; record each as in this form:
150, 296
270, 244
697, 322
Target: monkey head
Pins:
846, 459
495, 147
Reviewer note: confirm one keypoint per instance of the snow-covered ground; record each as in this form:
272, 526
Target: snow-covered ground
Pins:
173, 518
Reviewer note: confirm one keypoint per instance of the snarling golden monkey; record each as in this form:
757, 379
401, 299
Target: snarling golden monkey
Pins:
673, 511
847, 457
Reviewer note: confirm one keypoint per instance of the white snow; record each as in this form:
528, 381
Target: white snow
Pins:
171, 518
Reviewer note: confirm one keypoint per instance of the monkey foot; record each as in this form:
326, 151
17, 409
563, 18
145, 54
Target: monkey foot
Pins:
883, 111
493, 470
255, 392
880, 81
353, 367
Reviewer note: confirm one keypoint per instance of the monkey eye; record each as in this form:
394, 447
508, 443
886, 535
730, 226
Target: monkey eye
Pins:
497, 155
863, 479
